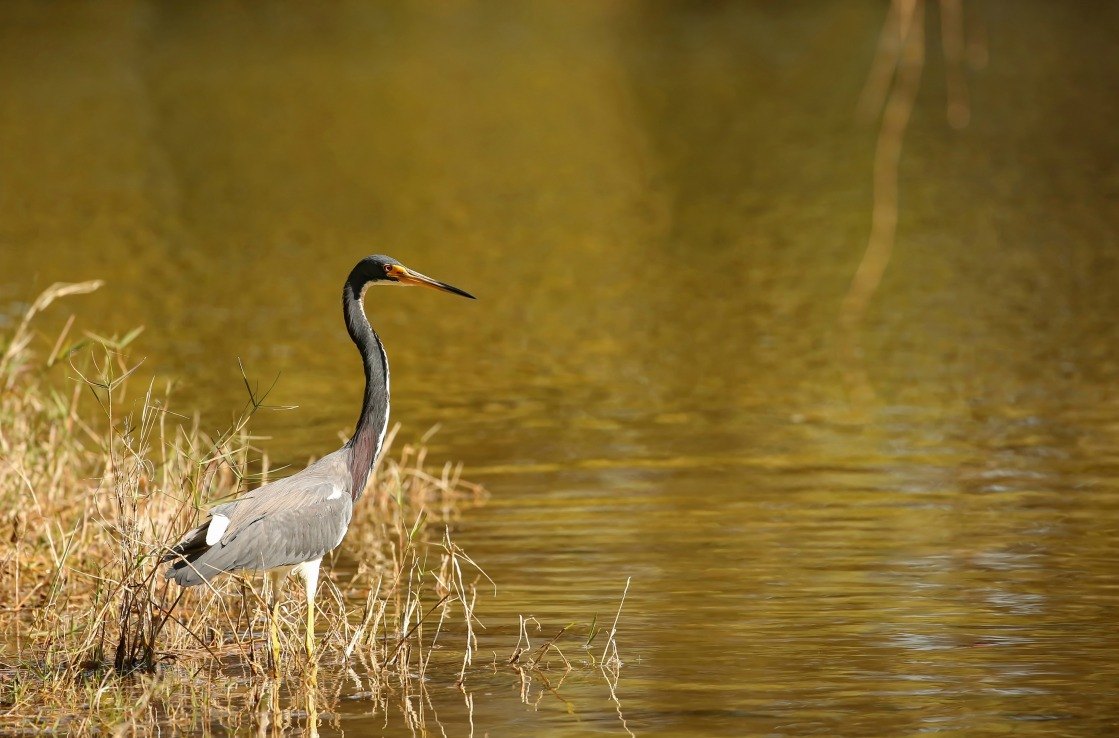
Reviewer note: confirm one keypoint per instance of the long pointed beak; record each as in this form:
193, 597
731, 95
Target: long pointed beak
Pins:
406, 276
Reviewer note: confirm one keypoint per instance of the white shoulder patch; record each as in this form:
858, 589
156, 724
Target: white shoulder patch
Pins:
335, 493
218, 524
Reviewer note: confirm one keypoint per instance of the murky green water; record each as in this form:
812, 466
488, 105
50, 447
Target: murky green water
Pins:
660, 207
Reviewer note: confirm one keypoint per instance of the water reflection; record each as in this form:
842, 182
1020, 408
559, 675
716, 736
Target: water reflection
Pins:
663, 206
283, 709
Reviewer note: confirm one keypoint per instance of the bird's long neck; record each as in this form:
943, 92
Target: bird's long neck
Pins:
371, 424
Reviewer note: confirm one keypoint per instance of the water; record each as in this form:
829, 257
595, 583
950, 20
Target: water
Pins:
660, 207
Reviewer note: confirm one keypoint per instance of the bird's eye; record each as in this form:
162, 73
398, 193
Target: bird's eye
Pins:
388, 269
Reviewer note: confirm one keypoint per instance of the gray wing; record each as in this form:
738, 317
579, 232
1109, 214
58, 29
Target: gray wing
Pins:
284, 523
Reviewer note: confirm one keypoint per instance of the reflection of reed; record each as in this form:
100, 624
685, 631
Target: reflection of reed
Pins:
892, 84
901, 47
894, 32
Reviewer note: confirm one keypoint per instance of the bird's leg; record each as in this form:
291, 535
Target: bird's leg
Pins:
310, 627
310, 572
274, 634
275, 579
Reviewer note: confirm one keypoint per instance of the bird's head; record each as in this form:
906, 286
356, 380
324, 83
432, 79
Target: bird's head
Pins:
380, 270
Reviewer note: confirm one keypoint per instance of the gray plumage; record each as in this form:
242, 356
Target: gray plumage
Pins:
281, 524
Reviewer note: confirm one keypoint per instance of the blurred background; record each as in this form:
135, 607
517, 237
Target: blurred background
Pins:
862, 476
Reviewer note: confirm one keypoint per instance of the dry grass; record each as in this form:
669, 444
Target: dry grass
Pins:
94, 485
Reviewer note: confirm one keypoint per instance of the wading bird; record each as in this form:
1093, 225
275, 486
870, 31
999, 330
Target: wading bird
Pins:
290, 524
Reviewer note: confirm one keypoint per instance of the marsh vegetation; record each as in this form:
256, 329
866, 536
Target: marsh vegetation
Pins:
97, 480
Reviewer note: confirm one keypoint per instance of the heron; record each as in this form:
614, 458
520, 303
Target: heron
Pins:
288, 525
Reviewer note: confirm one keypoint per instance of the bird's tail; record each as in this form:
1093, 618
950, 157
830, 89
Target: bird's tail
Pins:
184, 554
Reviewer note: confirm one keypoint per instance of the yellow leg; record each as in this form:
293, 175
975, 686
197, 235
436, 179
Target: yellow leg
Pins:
310, 629
275, 579
310, 573
274, 633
